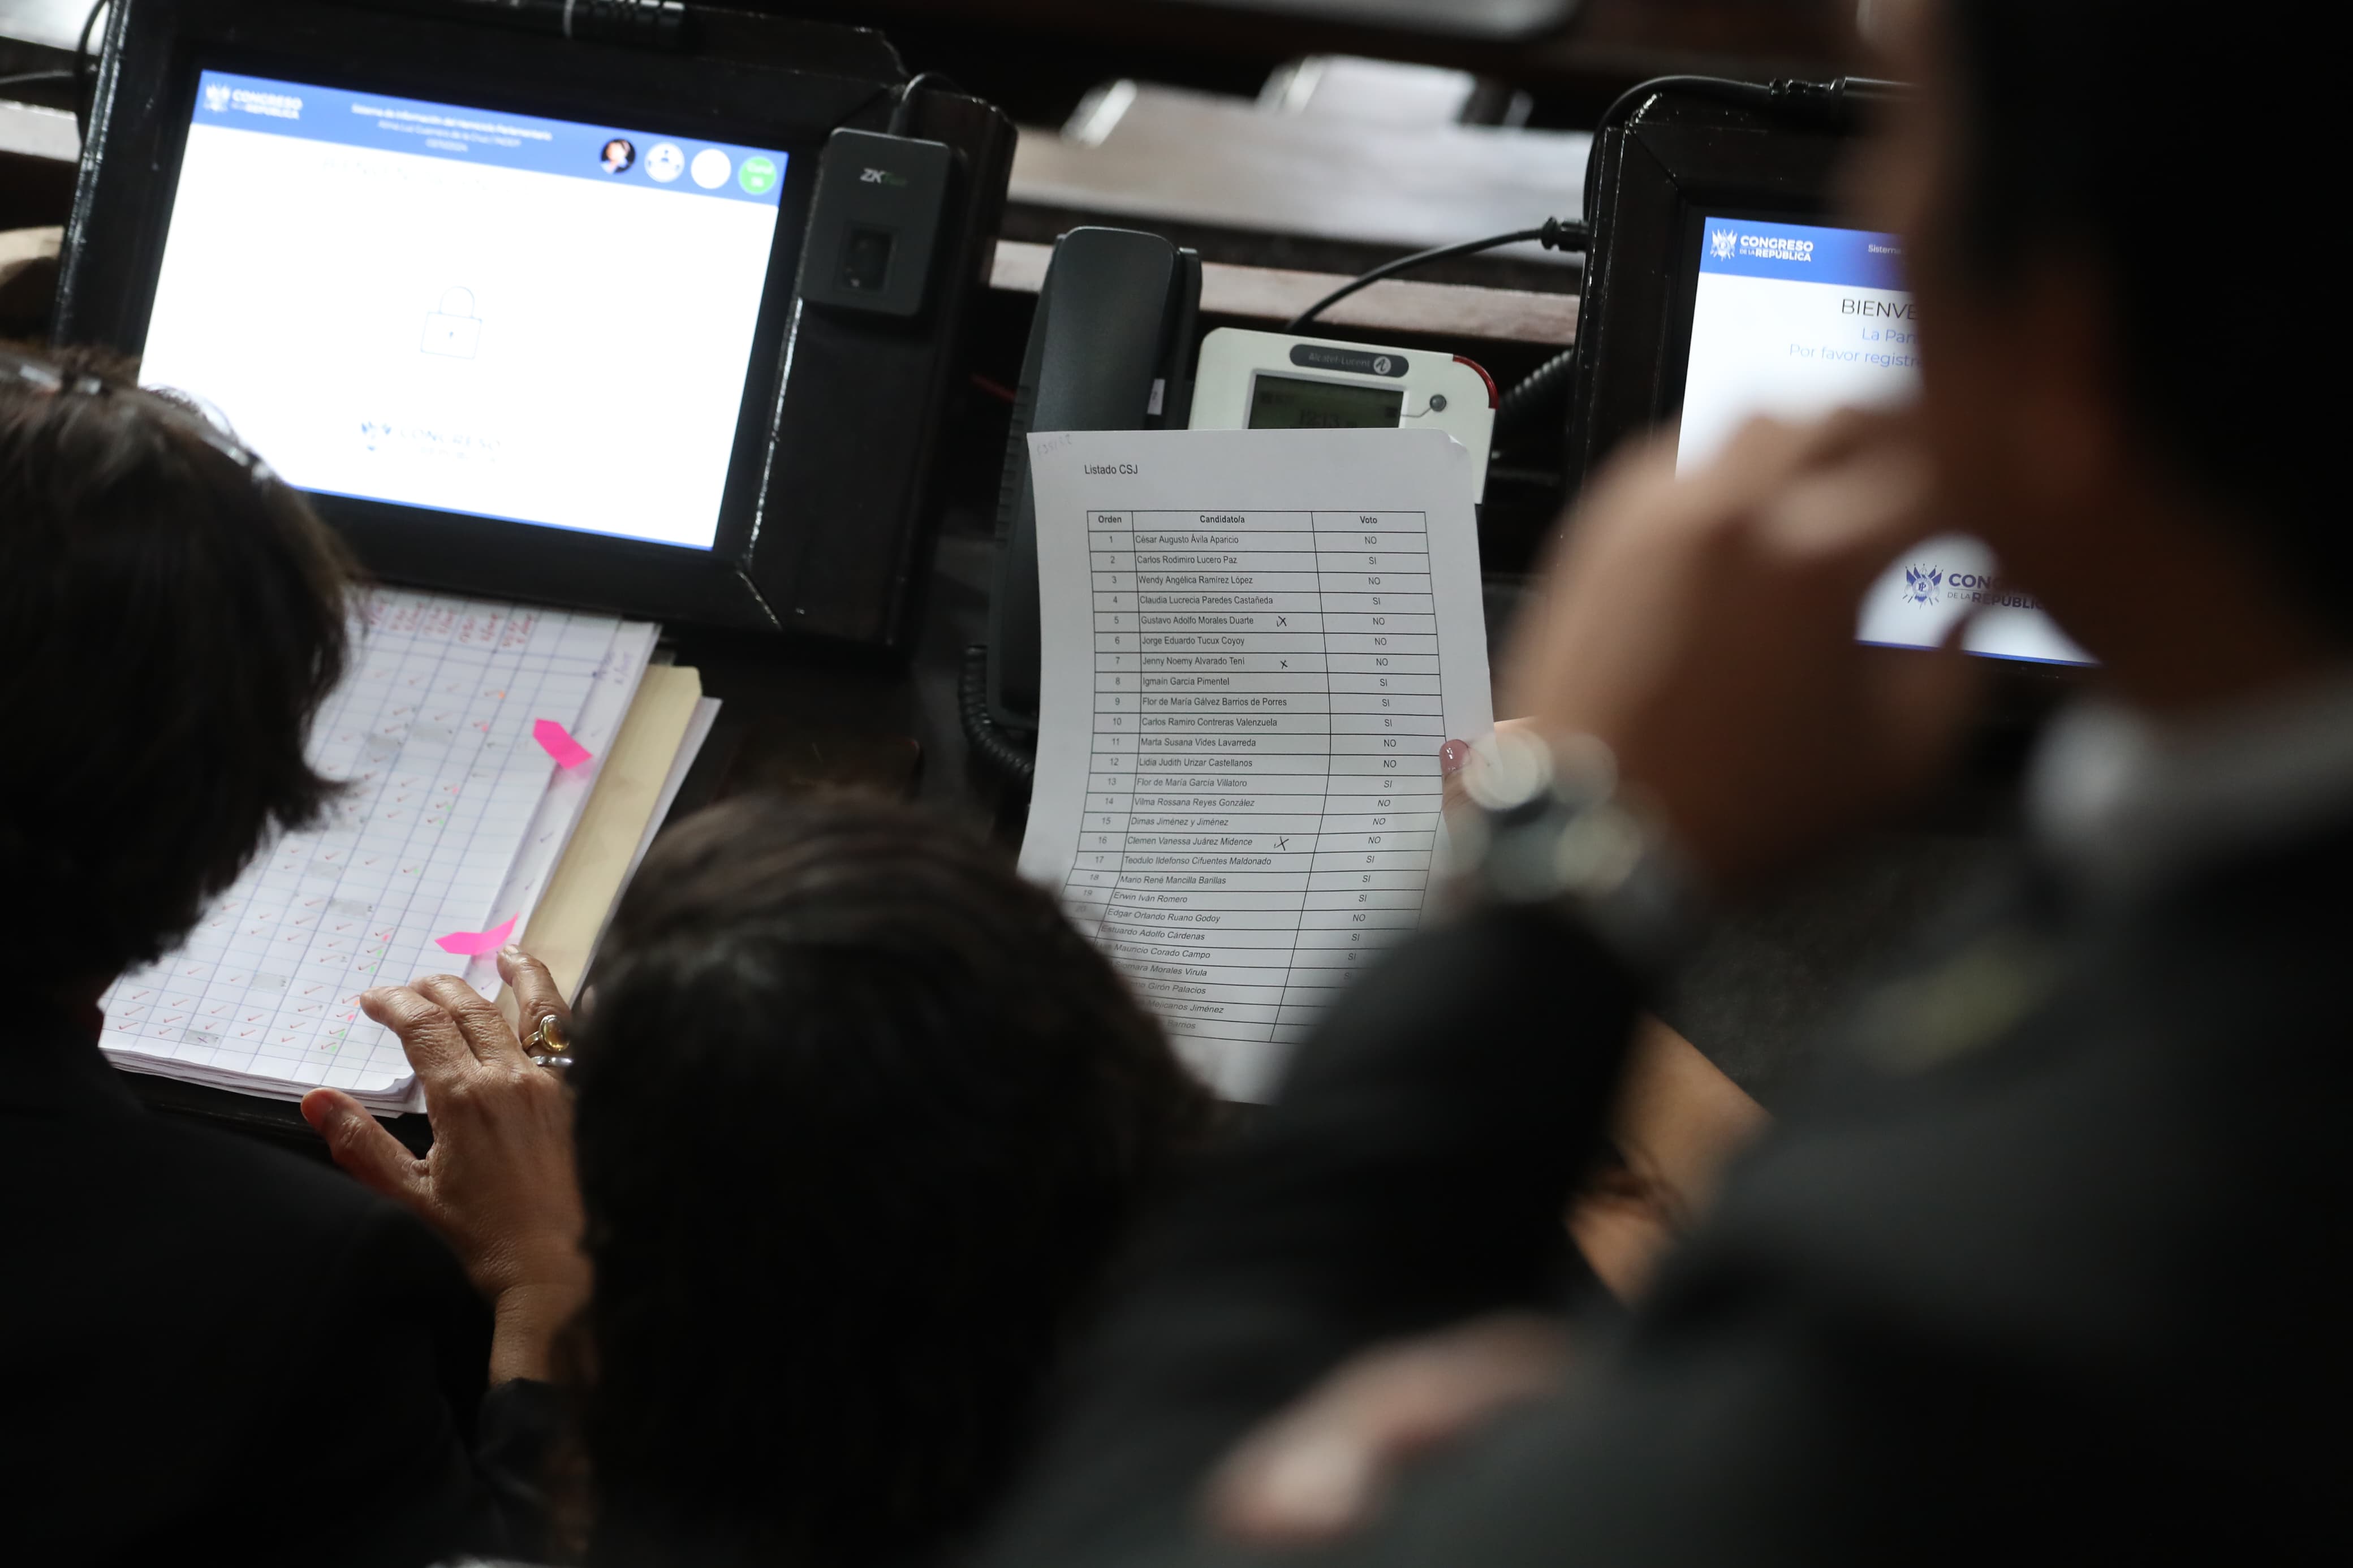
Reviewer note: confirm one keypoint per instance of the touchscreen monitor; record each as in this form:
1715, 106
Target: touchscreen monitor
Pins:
443, 306
1794, 320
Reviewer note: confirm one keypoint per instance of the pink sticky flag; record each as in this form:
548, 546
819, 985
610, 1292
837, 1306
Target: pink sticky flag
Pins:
558, 741
474, 944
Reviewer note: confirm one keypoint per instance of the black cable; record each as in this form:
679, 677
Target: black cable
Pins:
1557, 233
85, 72
903, 113
89, 24
992, 744
26, 79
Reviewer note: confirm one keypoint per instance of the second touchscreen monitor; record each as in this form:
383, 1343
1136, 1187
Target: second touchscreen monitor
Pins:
1794, 320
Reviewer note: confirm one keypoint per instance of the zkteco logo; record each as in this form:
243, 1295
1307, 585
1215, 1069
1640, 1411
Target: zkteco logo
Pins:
882, 177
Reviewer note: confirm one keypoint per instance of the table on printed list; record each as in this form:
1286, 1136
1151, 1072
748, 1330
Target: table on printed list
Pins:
1255, 644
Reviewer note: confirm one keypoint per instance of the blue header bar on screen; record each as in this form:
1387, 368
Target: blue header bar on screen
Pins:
615, 155
1801, 253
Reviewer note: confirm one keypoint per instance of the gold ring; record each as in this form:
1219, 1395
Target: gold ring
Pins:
550, 1037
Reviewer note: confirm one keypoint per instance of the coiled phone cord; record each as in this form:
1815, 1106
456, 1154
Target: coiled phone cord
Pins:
1001, 751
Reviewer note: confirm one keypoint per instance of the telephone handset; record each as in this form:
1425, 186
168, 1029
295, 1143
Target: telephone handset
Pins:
1112, 348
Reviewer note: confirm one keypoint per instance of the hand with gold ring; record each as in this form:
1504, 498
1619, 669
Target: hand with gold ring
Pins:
499, 1182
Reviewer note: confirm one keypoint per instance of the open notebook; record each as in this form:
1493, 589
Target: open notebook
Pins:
452, 730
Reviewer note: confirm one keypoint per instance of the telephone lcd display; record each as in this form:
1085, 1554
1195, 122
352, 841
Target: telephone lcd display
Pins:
542, 321
1794, 320
1293, 403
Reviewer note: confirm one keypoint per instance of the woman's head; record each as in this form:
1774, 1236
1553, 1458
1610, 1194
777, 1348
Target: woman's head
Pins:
171, 616
860, 1116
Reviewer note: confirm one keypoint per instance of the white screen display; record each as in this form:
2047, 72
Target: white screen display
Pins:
1793, 320
534, 319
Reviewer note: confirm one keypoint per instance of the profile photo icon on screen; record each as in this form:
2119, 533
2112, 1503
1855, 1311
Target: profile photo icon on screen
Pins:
619, 154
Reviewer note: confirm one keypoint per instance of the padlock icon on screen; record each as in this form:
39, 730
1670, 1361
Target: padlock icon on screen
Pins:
453, 330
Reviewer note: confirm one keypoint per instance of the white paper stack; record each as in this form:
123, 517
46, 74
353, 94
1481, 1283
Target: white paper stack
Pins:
455, 816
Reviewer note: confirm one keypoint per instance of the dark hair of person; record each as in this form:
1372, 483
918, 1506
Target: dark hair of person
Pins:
2167, 145
859, 1117
170, 617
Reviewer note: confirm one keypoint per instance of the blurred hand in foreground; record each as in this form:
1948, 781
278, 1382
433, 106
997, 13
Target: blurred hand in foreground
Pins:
1321, 1469
499, 1183
1703, 627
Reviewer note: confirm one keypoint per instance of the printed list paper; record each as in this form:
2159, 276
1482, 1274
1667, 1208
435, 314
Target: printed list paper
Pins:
1255, 643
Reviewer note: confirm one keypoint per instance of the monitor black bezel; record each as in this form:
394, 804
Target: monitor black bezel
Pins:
146, 101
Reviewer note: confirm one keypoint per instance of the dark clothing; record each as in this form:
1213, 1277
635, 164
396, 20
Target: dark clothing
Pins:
214, 1351
523, 1428
2055, 1269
